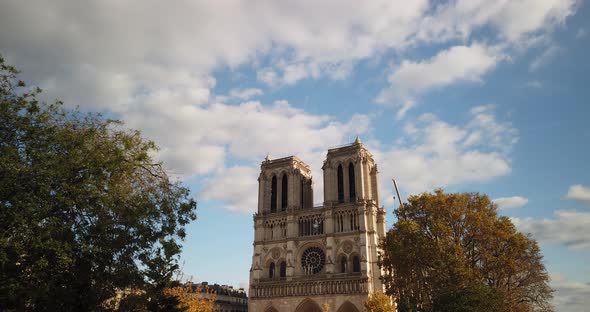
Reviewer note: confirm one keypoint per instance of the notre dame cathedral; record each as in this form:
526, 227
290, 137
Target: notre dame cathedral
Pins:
306, 257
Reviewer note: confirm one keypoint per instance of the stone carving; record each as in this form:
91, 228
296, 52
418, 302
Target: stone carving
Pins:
276, 253
347, 247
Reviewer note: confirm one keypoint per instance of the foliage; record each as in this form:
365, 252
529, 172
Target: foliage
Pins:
84, 209
443, 245
379, 302
478, 298
189, 299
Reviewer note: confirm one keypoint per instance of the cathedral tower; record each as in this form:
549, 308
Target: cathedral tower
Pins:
306, 256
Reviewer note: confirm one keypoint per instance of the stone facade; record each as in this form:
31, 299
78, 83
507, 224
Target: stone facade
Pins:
306, 256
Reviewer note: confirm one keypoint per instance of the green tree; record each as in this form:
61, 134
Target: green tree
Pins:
445, 244
85, 211
477, 298
378, 302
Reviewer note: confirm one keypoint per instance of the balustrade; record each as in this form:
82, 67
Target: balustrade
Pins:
309, 288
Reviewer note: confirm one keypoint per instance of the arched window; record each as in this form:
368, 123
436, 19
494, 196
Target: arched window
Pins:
343, 264
283, 270
271, 270
273, 195
340, 184
356, 264
351, 184
284, 193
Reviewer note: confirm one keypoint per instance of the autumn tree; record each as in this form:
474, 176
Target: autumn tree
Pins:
85, 212
475, 298
193, 298
446, 247
378, 302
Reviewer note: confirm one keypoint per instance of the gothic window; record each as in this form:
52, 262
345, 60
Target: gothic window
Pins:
345, 221
273, 195
271, 270
284, 193
343, 264
351, 184
340, 184
356, 264
283, 270
339, 223
312, 260
311, 225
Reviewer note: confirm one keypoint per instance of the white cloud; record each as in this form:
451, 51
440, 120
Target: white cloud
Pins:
579, 193
438, 154
239, 94
570, 296
289, 73
517, 19
513, 20
237, 187
545, 57
246, 131
510, 202
456, 64
268, 76
490, 132
569, 228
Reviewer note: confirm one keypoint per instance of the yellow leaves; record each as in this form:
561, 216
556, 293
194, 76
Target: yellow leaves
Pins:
379, 302
193, 299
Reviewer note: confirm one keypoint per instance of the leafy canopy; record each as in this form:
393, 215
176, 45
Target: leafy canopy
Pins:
194, 299
446, 247
84, 209
378, 302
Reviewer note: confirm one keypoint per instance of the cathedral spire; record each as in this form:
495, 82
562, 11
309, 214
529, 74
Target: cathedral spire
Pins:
357, 140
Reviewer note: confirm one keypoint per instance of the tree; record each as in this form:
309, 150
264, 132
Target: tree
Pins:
379, 302
446, 246
85, 212
477, 298
193, 299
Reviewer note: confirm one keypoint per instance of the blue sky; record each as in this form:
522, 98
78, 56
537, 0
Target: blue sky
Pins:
484, 96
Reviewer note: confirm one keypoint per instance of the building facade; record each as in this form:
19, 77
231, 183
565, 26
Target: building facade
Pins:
227, 299
306, 257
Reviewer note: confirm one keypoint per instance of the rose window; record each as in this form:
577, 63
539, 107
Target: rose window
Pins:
312, 260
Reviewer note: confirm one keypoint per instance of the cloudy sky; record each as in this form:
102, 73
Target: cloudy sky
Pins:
486, 96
